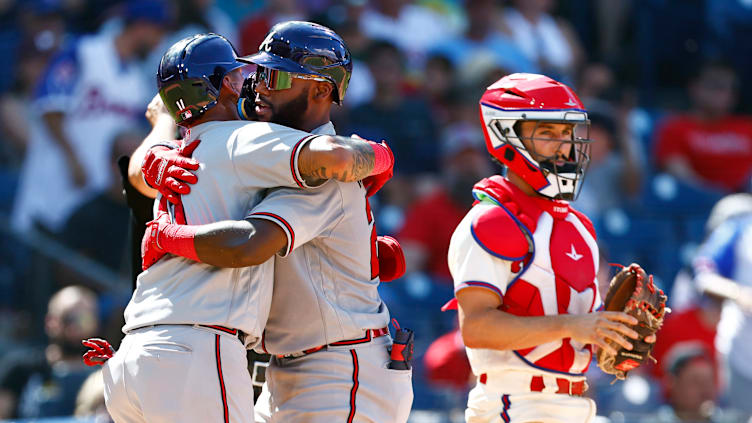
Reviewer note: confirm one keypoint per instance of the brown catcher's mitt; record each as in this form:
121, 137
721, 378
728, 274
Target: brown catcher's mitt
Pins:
633, 292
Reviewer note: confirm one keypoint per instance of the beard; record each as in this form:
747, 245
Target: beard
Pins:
291, 113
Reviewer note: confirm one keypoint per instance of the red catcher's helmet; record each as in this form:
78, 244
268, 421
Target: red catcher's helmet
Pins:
529, 97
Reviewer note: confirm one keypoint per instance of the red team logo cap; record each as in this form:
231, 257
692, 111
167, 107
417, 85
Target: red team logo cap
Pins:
530, 97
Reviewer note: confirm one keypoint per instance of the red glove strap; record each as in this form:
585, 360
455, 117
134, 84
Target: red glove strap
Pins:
382, 159
178, 240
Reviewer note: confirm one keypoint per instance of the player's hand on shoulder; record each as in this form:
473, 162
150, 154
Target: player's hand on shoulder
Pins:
156, 110
166, 168
596, 328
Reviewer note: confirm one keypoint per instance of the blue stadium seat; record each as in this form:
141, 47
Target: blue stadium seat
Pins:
628, 236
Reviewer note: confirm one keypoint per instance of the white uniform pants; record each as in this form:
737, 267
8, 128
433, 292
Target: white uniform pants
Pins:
337, 385
487, 405
179, 373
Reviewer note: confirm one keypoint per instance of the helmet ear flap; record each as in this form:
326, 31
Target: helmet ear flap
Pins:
191, 72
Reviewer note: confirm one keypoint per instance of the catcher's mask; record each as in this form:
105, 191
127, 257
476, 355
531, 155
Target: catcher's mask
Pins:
529, 97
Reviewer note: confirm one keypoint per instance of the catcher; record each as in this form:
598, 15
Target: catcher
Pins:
524, 264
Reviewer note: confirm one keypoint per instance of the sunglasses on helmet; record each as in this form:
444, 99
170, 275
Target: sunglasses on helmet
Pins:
280, 80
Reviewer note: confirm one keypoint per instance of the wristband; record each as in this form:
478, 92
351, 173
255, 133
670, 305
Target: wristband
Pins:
382, 160
178, 240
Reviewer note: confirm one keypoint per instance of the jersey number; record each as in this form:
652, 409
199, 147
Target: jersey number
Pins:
374, 249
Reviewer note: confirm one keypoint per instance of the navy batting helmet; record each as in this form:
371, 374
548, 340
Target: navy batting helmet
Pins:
309, 49
191, 72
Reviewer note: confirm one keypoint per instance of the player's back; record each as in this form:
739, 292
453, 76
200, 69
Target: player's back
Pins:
326, 288
238, 161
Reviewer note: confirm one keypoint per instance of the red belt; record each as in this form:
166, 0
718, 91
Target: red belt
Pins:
370, 335
565, 386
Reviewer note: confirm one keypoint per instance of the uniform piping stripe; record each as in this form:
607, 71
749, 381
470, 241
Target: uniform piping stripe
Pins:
362, 340
526, 361
222, 328
505, 411
479, 284
263, 342
294, 160
286, 224
354, 389
226, 412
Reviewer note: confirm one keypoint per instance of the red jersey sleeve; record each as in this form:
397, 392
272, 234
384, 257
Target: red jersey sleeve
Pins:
670, 140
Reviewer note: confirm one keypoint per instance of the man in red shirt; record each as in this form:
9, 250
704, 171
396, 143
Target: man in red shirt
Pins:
694, 327
708, 147
430, 221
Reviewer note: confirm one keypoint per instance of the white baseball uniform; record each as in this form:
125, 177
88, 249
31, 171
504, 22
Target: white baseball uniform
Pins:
188, 324
326, 316
558, 276
85, 82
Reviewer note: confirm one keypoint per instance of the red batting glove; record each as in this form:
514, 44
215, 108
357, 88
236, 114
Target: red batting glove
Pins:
100, 351
151, 251
391, 258
383, 168
166, 169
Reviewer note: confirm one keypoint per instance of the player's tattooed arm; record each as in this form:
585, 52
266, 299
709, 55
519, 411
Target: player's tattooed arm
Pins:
334, 157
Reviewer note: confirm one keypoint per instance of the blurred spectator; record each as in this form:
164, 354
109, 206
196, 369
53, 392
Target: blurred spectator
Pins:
10, 34
708, 146
446, 363
187, 17
549, 42
482, 41
91, 91
90, 400
694, 328
430, 221
254, 29
361, 87
614, 175
42, 31
670, 36
691, 388
723, 267
104, 240
217, 20
728, 22
15, 105
45, 383
413, 28
440, 86
596, 82
403, 120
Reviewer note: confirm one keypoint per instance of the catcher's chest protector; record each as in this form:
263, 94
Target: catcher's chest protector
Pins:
558, 276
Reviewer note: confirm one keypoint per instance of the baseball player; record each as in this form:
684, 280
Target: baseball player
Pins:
188, 324
327, 326
524, 262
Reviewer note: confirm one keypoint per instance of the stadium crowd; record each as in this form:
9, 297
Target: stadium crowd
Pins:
664, 84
